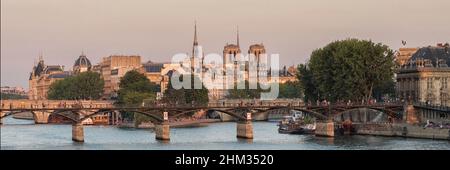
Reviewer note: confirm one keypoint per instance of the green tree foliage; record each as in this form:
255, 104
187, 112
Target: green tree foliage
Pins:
290, 90
135, 81
386, 89
134, 88
245, 93
307, 83
186, 96
7, 96
174, 96
350, 69
196, 96
86, 85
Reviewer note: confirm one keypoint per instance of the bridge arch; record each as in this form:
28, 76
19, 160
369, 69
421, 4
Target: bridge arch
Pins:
11, 113
388, 112
59, 113
313, 113
153, 116
226, 111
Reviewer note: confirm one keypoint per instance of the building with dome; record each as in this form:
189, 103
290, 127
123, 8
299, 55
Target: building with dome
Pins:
42, 76
425, 76
82, 64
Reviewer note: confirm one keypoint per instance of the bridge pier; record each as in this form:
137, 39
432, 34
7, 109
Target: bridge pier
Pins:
325, 129
244, 128
41, 117
77, 132
410, 115
162, 131
1, 117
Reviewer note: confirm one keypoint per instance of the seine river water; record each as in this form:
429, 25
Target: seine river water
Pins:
24, 134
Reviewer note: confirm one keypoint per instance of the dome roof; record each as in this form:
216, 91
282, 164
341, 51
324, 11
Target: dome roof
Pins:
82, 61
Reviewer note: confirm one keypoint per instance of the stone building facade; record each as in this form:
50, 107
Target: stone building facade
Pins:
113, 68
41, 77
425, 77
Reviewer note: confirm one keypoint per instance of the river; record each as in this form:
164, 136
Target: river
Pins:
24, 134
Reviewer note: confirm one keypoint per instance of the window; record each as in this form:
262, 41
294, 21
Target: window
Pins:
444, 99
428, 63
444, 83
115, 72
156, 68
429, 83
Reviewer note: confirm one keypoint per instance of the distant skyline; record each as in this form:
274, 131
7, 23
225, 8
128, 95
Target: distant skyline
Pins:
156, 30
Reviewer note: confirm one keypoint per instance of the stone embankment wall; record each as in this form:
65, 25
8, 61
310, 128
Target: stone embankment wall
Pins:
402, 130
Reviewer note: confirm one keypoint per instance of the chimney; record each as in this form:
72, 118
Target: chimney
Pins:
446, 48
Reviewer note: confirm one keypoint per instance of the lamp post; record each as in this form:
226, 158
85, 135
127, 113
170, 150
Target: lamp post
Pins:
329, 106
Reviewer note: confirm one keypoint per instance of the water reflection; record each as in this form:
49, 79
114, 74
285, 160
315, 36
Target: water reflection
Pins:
242, 140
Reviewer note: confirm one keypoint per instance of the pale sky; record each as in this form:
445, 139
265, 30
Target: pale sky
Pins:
158, 29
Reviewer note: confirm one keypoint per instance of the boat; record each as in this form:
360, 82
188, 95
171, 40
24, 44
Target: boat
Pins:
296, 124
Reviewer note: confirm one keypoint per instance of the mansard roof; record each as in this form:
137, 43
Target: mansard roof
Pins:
59, 75
53, 68
432, 54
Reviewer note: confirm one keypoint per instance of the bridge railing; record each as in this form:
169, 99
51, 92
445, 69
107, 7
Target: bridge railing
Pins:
39, 104
49, 104
254, 102
432, 106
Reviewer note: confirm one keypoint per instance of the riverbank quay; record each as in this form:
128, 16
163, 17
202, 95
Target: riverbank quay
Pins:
331, 129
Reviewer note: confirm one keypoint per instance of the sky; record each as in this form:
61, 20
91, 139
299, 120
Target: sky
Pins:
159, 29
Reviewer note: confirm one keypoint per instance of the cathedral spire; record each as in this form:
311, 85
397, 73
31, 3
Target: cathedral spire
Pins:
41, 56
237, 36
195, 34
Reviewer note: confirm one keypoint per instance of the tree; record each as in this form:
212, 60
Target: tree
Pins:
346, 70
196, 96
135, 81
307, 83
134, 88
290, 90
386, 89
245, 93
8, 96
186, 96
86, 85
173, 96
